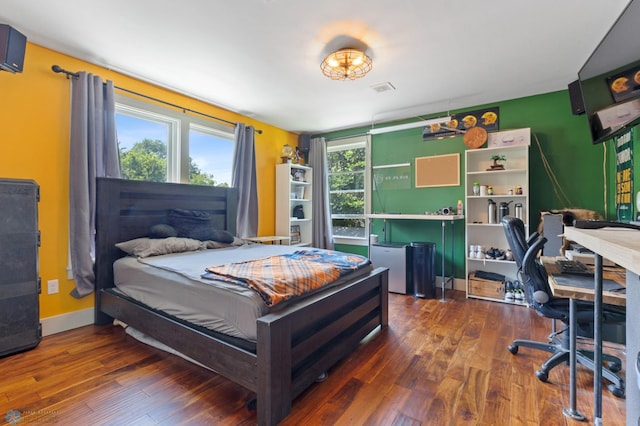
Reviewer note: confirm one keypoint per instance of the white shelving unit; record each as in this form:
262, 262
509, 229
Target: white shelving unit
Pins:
478, 230
293, 188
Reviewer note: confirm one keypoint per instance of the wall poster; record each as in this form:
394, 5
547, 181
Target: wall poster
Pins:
489, 119
624, 177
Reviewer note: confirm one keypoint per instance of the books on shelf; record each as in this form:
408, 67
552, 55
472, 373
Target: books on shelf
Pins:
295, 234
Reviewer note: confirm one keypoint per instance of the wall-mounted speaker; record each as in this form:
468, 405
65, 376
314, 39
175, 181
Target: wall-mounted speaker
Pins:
575, 97
12, 48
304, 142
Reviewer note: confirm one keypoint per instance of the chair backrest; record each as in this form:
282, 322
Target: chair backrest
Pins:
525, 253
516, 237
532, 273
537, 280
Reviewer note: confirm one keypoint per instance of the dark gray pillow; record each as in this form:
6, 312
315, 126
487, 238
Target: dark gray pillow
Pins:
185, 221
162, 231
210, 234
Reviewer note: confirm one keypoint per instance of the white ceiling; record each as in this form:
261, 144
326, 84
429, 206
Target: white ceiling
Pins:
261, 57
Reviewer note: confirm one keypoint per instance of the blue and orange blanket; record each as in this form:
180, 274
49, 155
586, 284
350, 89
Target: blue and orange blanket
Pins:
280, 278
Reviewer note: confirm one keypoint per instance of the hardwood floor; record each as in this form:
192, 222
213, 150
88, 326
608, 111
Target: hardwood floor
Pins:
437, 364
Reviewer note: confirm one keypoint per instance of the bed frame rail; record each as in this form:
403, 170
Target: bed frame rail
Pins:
294, 345
235, 364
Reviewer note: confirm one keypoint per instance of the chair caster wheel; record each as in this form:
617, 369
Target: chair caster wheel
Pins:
614, 367
513, 349
616, 391
542, 375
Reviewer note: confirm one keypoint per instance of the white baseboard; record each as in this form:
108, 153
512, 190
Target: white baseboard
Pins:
64, 322
458, 283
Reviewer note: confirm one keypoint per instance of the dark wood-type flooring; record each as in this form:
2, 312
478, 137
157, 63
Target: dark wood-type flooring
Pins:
437, 364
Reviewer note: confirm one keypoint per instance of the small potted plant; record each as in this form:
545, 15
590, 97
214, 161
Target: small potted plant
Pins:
496, 159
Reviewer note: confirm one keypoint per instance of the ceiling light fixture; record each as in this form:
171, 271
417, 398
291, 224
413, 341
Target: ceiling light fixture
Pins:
346, 64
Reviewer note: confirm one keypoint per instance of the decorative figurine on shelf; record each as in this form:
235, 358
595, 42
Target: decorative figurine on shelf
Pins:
496, 159
286, 153
298, 157
298, 175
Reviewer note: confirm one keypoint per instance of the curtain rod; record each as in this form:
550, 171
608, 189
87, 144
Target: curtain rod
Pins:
69, 74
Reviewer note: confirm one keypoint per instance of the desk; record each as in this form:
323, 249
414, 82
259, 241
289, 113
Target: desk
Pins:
581, 293
268, 239
574, 293
621, 246
443, 219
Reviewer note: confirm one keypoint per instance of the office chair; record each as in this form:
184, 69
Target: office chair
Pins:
539, 297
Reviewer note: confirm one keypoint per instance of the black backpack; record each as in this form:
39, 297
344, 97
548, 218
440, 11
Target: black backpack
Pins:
298, 213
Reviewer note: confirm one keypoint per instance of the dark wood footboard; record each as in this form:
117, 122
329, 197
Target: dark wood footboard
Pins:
297, 345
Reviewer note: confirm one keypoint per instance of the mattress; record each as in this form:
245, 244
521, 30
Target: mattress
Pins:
173, 284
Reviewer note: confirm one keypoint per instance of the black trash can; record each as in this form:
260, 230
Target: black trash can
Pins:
421, 269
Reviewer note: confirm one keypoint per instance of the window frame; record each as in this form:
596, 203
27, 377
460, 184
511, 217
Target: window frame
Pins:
351, 142
180, 124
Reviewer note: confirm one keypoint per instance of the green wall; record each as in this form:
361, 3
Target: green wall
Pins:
564, 138
361, 250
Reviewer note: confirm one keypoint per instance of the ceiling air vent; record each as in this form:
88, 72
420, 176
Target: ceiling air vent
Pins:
383, 87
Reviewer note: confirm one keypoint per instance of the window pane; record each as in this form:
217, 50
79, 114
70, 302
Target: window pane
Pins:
346, 160
210, 159
346, 227
347, 191
143, 148
347, 202
346, 181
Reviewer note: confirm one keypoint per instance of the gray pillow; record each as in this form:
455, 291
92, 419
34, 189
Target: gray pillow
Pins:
145, 247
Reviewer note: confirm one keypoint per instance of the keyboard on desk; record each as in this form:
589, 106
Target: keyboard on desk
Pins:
573, 267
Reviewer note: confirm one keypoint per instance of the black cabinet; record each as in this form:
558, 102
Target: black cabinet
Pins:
20, 327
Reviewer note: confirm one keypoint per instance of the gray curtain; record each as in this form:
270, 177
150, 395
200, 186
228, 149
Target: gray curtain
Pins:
244, 178
321, 234
93, 152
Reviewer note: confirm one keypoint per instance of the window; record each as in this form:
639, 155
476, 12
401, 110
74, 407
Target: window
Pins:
211, 154
162, 145
143, 140
348, 161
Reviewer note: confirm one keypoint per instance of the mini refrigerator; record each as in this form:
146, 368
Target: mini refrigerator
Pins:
394, 257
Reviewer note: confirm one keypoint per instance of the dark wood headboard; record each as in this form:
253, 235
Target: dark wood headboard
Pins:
126, 209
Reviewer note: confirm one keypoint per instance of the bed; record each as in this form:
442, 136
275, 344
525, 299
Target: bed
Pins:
294, 345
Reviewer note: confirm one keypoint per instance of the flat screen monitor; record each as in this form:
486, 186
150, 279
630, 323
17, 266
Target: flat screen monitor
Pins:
610, 79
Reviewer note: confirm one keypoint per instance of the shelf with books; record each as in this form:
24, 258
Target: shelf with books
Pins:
294, 196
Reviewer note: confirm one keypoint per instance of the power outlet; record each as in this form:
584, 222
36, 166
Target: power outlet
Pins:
52, 287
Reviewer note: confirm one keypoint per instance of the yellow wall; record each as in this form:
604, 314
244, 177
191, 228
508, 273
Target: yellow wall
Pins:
34, 126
